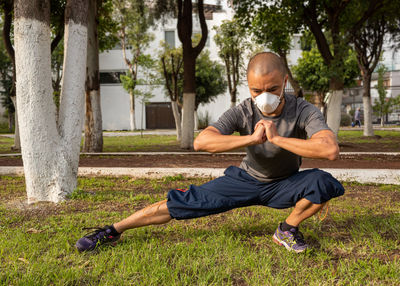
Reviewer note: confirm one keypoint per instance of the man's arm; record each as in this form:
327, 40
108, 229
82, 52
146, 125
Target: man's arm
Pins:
211, 140
321, 145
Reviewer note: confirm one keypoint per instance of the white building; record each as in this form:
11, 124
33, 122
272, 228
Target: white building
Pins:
391, 59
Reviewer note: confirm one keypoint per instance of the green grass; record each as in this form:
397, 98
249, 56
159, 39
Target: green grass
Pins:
5, 145
356, 136
358, 243
139, 143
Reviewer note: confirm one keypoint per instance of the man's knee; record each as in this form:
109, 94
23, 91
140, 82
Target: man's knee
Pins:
323, 187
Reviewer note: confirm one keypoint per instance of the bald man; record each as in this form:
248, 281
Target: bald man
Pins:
277, 130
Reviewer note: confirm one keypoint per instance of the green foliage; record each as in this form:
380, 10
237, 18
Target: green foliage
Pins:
204, 120
210, 80
345, 119
331, 23
107, 28
231, 40
170, 70
311, 72
134, 21
314, 75
274, 26
130, 81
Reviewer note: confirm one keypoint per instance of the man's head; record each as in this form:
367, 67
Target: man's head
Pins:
266, 73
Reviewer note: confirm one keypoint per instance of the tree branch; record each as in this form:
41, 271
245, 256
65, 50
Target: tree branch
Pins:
204, 30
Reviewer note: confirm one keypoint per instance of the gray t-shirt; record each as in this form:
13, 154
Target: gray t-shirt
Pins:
267, 162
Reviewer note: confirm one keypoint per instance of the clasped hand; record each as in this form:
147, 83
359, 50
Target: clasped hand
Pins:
263, 131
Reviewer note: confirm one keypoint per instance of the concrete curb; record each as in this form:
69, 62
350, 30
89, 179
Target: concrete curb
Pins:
377, 176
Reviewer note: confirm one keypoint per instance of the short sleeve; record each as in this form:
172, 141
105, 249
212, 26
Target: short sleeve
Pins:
228, 122
312, 120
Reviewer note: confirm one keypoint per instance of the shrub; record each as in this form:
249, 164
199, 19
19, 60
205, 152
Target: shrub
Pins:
345, 119
204, 120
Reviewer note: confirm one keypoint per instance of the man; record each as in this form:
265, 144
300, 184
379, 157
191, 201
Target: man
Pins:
357, 117
274, 128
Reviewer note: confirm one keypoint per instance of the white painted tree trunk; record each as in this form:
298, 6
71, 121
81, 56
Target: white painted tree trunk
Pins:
17, 141
132, 121
334, 110
196, 120
177, 118
188, 120
368, 130
72, 102
233, 104
50, 153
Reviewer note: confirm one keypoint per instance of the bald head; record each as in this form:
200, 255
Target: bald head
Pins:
265, 63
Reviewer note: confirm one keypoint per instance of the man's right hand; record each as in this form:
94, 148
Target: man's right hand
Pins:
258, 136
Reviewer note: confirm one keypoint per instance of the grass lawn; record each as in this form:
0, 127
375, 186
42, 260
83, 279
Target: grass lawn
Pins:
358, 243
356, 136
139, 143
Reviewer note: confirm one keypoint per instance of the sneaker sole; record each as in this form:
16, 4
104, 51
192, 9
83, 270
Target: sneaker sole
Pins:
281, 242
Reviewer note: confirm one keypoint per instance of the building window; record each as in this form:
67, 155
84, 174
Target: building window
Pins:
170, 38
111, 77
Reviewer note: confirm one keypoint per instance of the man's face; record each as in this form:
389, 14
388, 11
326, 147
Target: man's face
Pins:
272, 82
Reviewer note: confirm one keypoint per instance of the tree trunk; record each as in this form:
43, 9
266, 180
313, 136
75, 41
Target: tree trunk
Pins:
93, 141
177, 117
189, 97
132, 112
17, 141
188, 120
10, 117
196, 120
233, 97
190, 53
93, 122
50, 153
334, 110
367, 106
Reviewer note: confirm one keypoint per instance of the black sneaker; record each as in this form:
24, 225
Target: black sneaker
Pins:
100, 236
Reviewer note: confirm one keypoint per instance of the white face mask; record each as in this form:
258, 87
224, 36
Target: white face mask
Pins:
268, 102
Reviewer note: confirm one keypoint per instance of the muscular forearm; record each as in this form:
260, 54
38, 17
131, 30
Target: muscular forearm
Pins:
213, 142
319, 147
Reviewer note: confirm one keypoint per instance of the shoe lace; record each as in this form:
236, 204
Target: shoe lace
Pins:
298, 237
98, 234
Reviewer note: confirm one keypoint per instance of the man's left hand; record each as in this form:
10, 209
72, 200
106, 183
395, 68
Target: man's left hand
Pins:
270, 129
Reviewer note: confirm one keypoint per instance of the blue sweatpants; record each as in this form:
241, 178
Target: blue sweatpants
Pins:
238, 189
